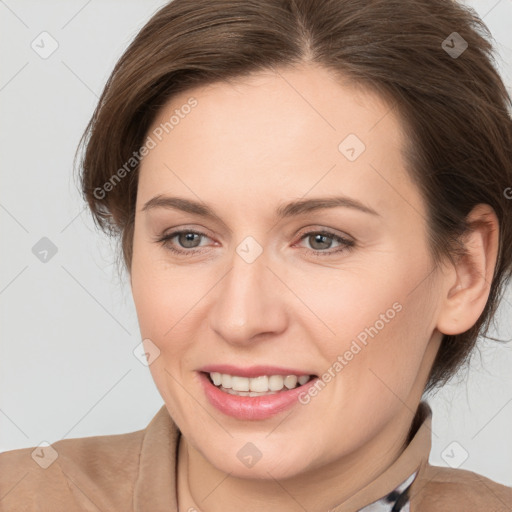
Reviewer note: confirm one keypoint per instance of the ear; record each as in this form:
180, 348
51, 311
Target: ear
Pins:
468, 281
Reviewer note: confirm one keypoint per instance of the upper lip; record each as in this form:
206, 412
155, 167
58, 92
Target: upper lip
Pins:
252, 371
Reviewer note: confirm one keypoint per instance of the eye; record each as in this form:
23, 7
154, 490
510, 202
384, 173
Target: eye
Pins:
319, 241
187, 239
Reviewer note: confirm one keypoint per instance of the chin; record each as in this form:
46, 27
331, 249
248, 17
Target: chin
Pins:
257, 460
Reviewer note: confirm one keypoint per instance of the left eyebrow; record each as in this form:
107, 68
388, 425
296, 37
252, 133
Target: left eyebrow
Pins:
309, 205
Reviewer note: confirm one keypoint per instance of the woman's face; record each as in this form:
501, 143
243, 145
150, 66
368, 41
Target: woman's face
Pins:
261, 286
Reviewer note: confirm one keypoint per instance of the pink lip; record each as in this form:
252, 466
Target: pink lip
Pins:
252, 371
252, 407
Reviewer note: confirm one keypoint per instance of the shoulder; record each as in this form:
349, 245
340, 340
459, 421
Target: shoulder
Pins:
456, 490
75, 473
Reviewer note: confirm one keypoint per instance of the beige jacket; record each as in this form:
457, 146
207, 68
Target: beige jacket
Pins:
137, 472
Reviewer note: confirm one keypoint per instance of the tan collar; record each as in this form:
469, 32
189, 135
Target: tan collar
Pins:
155, 487
413, 458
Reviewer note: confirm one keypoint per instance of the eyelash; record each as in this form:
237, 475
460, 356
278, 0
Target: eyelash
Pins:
346, 244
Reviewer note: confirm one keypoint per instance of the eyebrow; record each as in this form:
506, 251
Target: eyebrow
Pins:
290, 209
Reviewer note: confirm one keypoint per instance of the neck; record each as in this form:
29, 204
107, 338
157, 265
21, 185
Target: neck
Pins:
201, 486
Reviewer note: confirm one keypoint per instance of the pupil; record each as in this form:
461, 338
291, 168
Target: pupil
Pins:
189, 237
319, 238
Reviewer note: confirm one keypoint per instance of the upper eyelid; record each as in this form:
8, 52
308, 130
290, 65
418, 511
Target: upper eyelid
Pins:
301, 232
327, 231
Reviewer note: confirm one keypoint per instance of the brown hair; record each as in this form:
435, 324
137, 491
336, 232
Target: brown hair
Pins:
455, 107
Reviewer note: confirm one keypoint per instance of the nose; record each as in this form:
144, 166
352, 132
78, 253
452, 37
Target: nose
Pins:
249, 302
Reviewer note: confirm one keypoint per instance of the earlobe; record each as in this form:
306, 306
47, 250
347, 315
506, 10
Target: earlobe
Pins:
470, 277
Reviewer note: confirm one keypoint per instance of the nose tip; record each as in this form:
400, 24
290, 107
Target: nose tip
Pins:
248, 304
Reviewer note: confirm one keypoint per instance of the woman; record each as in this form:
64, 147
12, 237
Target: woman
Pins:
316, 230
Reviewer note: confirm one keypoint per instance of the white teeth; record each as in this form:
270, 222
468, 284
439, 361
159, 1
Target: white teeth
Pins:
259, 384
303, 379
290, 381
239, 383
226, 380
217, 378
263, 384
275, 382
247, 393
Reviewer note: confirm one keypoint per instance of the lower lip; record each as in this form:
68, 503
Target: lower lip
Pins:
252, 407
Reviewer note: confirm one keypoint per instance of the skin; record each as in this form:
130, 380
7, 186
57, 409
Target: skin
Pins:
248, 147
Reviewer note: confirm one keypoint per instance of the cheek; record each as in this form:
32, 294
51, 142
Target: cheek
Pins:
164, 300
164, 295
164, 307
380, 326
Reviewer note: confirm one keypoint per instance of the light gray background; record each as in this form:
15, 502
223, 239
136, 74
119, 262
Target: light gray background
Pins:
68, 326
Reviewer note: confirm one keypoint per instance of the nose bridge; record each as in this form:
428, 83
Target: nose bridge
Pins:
248, 297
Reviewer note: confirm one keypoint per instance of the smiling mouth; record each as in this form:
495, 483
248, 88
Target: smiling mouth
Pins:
256, 386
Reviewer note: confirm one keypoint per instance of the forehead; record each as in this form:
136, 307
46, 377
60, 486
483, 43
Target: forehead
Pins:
292, 97
278, 132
